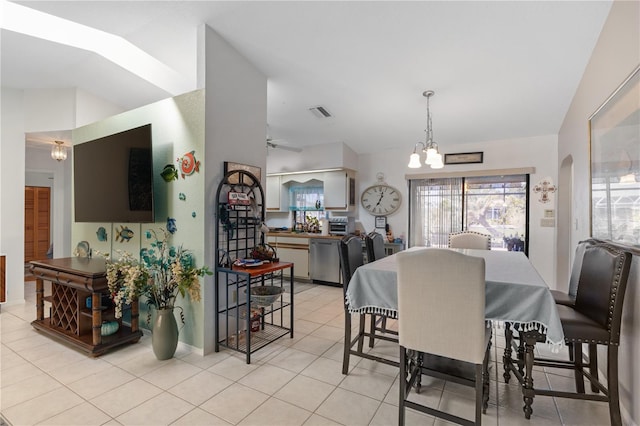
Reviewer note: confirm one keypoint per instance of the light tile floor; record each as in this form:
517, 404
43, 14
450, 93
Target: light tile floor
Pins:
290, 382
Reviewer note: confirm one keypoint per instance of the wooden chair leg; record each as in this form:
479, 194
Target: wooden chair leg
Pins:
593, 364
578, 366
402, 385
570, 347
485, 383
479, 393
372, 330
612, 381
347, 342
362, 321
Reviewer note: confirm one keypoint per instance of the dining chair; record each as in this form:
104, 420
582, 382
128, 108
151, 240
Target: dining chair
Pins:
569, 299
433, 283
374, 242
470, 240
350, 259
595, 318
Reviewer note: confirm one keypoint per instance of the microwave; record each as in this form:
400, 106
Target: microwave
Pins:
342, 225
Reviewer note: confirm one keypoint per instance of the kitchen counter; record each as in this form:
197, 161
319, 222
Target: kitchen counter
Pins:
302, 235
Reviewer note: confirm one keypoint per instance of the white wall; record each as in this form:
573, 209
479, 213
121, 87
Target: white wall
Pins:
615, 56
538, 152
12, 153
313, 157
236, 122
26, 111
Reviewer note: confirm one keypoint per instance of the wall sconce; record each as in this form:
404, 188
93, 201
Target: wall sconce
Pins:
59, 151
429, 147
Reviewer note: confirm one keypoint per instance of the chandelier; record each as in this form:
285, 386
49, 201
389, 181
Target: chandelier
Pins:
58, 151
433, 157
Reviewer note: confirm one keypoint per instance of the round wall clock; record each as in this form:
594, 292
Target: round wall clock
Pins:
381, 199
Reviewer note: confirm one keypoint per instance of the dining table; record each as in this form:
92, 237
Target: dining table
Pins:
517, 299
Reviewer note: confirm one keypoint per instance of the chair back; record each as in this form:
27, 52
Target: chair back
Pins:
375, 246
577, 266
441, 303
350, 258
470, 240
602, 285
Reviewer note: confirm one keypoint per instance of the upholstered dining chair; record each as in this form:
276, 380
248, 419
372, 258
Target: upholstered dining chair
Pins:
432, 283
350, 259
374, 242
470, 240
569, 299
595, 318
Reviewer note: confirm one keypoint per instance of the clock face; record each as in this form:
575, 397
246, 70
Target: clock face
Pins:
381, 199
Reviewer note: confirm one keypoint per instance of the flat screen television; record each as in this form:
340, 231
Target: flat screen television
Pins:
113, 178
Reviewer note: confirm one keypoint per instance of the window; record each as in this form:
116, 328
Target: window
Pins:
495, 205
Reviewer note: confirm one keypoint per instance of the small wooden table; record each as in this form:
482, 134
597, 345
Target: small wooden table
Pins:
73, 280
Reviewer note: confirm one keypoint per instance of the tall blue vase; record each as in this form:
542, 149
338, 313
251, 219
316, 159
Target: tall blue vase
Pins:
164, 338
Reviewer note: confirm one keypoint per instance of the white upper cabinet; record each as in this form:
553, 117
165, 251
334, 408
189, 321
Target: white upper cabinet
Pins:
339, 190
276, 195
339, 187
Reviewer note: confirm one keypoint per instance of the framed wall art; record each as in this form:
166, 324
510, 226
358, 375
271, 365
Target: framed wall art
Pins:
614, 139
463, 158
229, 166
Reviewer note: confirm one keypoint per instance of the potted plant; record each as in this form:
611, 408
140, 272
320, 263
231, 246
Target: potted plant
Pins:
162, 273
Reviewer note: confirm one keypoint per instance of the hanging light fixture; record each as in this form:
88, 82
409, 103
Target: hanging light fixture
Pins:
58, 151
429, 147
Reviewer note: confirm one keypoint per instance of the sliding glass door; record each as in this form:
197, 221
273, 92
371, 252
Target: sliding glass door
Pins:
494, 205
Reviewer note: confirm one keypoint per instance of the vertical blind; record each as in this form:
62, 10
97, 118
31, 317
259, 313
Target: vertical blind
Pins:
436, 209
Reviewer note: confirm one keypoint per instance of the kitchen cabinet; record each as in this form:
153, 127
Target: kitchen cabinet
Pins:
276, 196
295, 250
339, 190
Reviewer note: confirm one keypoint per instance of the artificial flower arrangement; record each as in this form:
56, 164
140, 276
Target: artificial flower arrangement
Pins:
163, 272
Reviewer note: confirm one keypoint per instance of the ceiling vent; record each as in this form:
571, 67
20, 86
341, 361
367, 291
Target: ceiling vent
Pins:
320, 112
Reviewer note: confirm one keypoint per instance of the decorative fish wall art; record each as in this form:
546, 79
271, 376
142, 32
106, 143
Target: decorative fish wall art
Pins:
188, 164
169, 173
171, 225
101, 233
124, 234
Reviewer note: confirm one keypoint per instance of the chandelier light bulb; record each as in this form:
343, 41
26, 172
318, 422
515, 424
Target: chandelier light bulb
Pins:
414, 161
437, 162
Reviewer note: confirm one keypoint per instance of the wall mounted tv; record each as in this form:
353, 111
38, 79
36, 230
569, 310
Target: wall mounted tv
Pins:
113, 178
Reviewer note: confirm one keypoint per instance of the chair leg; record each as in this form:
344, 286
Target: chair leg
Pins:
593, 364
361, 323
372, 330
479, 393
578, 367
612, 381
402, 385
570, 347
485, 377
347, 342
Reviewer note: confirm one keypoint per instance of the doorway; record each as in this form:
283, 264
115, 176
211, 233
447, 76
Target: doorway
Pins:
37, 223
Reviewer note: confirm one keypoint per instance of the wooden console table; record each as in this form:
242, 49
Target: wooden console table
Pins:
73, 280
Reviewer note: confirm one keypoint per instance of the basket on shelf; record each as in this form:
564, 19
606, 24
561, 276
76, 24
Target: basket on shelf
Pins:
265, 295
264, 252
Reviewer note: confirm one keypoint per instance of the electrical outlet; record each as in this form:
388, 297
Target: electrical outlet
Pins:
234, 296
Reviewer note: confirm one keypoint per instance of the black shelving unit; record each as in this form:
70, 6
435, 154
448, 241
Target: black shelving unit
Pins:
241, 325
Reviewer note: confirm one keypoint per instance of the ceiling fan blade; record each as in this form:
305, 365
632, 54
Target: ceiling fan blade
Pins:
285, 147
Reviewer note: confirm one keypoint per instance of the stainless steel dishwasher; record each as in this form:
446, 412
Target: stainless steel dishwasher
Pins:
324, 260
